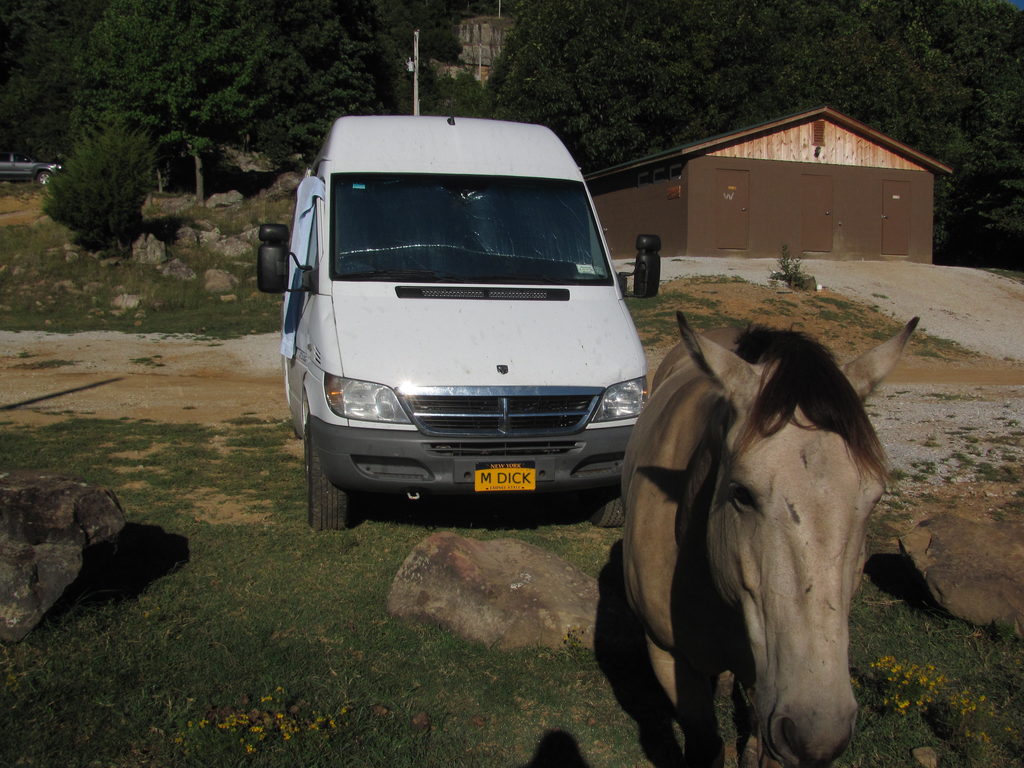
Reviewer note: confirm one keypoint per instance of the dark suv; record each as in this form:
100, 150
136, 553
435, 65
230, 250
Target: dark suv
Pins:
15, 166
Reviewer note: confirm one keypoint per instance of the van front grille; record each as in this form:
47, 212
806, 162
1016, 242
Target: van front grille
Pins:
482, 411
502, 449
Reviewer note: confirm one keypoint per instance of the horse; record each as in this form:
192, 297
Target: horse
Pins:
747, 485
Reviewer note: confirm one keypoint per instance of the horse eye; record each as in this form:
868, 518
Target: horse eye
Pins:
742, 496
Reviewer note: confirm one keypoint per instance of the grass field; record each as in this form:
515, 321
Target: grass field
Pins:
226, 633
44, 286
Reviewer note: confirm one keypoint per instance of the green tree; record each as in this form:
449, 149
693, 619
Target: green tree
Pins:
41, 44
99, 195
322, 59
185, 72
608, 76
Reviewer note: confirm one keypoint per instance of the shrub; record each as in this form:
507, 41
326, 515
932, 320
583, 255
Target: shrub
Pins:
99, 196
791, 272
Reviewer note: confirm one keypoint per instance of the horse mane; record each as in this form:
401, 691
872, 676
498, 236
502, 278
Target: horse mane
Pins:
801, 373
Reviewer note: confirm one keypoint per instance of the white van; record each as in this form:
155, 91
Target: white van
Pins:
452, 322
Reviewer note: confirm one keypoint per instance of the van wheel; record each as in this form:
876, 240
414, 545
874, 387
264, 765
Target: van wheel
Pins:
607, 506
327, 505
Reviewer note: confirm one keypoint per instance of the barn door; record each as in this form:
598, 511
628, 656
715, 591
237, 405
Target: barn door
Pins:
816, 213
896, 218
732, 197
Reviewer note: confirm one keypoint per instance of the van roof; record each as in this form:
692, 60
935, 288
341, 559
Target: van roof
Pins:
427, 144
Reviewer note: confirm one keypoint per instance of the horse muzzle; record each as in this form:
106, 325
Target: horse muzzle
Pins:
808, 743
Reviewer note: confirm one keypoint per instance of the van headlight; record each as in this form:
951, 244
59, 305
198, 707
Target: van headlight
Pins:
624, 400
363, 400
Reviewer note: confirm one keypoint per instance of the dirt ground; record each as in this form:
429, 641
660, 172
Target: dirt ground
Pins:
45, 376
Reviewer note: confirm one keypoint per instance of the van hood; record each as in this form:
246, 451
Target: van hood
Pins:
588, 340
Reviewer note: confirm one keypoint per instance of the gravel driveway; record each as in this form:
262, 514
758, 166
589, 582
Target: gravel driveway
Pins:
980, 310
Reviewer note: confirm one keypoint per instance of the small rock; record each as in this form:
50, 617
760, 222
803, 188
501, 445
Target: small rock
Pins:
285, 184
126, 301
147, 249
186, 236
177, 268
172, 204
224, 199
251, 235
209, 234
232, 247
926, 757
219, 281
420, 721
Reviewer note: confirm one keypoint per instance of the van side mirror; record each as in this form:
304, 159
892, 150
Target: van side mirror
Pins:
272, 259
647, 268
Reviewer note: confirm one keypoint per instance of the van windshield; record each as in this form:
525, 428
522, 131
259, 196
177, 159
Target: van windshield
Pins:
480, 229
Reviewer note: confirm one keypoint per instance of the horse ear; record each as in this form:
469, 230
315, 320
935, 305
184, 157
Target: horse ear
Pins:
867, 371
731, 372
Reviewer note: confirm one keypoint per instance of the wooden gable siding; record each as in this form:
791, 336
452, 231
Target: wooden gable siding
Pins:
840, 147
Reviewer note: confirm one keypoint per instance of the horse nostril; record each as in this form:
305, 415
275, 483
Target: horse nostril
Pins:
789, 743
785, 739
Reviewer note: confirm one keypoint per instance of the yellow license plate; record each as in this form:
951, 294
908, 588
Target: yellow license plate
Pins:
506, 476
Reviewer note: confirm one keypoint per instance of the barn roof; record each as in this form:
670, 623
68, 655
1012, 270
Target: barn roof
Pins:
714, 143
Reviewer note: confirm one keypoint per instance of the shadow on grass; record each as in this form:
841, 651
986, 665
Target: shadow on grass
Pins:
621, 653
557, 749
895, 575
113, 572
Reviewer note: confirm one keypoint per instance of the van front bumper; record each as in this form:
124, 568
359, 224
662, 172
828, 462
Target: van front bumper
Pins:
383, 461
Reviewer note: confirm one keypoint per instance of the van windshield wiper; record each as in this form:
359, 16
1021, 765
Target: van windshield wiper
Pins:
416, 275
521, 280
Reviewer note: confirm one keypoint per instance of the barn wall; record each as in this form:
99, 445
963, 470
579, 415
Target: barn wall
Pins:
775, 215
781, 201
628, 208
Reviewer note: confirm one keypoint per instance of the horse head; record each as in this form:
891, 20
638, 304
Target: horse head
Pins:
800, 470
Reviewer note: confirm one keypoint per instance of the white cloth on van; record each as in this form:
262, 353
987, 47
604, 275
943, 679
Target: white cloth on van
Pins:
309, 190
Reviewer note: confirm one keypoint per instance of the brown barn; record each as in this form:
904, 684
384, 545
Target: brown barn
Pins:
819, 182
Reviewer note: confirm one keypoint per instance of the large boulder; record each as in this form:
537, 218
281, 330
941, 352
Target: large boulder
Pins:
973, 570
46, 522
502, 593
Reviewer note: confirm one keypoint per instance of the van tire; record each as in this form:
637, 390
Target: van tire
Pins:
608, 512
327, 505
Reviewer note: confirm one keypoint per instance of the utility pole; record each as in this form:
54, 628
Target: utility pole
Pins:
416, 72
